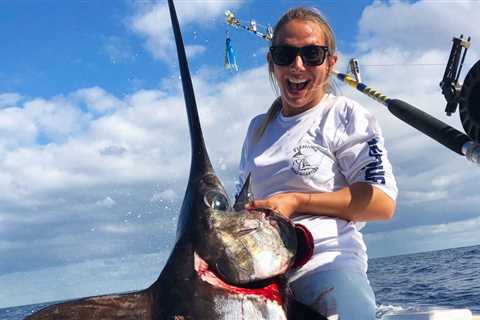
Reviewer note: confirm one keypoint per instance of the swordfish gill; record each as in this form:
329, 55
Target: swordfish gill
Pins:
227, 263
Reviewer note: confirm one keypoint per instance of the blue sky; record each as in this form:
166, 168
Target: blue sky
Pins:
94, 149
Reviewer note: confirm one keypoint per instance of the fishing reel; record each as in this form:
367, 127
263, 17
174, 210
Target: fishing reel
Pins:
466, 95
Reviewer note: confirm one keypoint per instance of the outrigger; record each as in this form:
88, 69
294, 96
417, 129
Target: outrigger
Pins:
250, 27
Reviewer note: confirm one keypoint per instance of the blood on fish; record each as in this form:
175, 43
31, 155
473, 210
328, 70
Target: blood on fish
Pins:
270, 292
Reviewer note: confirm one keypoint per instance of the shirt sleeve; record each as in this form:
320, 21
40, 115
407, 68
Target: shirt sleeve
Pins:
360, 150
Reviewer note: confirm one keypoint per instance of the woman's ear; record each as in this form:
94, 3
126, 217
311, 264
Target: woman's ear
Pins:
332, 60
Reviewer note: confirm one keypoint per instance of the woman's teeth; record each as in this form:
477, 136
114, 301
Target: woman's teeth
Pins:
297, 84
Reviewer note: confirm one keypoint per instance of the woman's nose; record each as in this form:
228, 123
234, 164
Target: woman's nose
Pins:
297, 63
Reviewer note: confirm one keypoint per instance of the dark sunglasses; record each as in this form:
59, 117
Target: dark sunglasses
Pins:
311, 55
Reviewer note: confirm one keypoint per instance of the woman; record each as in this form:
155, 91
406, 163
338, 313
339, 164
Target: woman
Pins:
319, 160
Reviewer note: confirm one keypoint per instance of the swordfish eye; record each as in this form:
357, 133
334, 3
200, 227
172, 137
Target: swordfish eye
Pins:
216, 200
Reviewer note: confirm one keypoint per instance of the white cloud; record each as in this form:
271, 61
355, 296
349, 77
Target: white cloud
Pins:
166, 195
97, 100
113, 150
422, 25
118, 50
194, 50
126, 142
118, 228
106, 202
11, 119
56, 119
9, 99
419, 196
153, 22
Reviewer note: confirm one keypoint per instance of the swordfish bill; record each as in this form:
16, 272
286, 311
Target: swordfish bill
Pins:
200, 162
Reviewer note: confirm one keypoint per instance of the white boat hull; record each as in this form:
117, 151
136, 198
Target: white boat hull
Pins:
432, 314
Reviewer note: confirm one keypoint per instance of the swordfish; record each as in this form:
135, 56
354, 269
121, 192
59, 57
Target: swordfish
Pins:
227, 262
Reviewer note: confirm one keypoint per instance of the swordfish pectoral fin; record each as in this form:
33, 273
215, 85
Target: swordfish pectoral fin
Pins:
132, 306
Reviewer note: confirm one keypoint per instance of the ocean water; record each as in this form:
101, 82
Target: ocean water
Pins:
446, 278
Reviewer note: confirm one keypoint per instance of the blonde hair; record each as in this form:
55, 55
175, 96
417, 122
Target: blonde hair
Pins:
302, 14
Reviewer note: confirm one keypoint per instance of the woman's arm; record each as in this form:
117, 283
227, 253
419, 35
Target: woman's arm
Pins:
359, 202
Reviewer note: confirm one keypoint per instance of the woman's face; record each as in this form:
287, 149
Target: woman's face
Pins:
301, 86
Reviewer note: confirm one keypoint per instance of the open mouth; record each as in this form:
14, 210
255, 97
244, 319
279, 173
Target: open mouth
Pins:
296, 85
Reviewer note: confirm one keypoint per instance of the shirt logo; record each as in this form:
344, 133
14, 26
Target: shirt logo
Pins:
303, 158
374, 170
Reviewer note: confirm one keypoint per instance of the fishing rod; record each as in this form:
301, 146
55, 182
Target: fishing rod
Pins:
466, 95
438, 130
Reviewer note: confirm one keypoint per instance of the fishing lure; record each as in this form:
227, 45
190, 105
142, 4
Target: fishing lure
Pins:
230, 59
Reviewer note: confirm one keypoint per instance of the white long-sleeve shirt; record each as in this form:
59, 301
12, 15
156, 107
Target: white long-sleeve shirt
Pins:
323, 149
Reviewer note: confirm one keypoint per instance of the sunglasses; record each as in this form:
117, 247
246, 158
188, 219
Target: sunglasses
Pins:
312, 55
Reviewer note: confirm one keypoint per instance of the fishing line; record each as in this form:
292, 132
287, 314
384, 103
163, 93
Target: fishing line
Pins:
404, 65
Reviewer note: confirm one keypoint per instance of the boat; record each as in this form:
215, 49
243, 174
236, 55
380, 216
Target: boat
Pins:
430, 314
